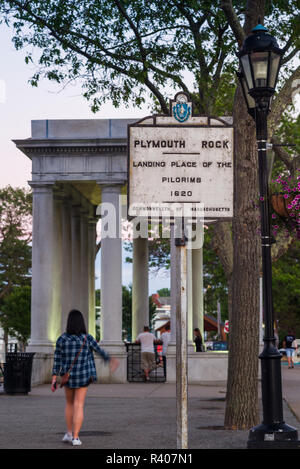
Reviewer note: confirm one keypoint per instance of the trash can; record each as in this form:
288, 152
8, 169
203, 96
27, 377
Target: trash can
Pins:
17, 373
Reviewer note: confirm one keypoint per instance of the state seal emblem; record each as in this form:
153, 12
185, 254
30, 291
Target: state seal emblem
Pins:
182, 109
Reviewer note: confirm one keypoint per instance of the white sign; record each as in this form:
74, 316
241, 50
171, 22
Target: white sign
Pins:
180, 164
226, 327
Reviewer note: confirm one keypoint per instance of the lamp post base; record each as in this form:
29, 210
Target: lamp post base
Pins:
281, 436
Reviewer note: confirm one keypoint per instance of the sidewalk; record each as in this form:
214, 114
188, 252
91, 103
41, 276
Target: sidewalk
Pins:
131, 416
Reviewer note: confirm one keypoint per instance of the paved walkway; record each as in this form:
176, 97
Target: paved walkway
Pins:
131, 416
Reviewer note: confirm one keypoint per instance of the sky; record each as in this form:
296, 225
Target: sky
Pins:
20, 103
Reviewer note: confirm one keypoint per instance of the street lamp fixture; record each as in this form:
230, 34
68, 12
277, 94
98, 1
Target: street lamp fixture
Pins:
260, 60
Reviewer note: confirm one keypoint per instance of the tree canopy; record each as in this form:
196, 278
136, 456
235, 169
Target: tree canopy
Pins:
121, 49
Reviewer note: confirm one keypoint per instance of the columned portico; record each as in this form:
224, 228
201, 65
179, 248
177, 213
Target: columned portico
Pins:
78, 166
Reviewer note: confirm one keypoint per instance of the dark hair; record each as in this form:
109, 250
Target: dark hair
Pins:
146, 328
197, 330
75, 323
167, 327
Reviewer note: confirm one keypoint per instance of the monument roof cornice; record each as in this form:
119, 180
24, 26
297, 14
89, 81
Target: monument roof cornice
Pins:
62, 146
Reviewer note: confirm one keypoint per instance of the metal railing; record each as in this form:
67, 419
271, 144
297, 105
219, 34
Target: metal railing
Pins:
134, 370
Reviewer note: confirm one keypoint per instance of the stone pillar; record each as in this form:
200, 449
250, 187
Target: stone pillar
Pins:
111, 267
140, 289
91, 277
76, 258
198, 307
67, 262
173, 286
111, 284
189, 282
84, 267
44, 315
57, 284
175, 265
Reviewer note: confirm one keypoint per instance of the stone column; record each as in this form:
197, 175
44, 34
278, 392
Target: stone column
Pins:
67, 261
57, 284
44, 320
198, 308
175, 266
173, 286
140, 288
111, 283
84, 270
189, 272
76, 258
111, 267
91, 287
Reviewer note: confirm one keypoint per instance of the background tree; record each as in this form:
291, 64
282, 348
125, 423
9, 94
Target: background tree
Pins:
127, 312
286, 275
15, 314
129, 51
159, 252
15, 239
214, 279
164, 292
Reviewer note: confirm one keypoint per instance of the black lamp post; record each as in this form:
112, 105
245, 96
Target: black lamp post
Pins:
260, 60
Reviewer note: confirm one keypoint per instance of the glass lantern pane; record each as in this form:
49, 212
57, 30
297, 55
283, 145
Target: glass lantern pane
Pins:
247, 71
249, 99
275, 59
260, 68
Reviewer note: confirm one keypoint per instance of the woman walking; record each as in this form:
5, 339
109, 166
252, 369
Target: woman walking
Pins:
73, 354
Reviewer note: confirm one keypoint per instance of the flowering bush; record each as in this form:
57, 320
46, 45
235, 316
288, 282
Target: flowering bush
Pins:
289, 190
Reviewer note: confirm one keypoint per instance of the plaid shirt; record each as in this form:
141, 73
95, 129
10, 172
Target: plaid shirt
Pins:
67, 348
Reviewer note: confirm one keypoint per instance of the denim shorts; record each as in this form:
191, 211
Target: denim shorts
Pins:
289, 352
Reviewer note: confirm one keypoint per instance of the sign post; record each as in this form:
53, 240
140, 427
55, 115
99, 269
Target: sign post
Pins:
181, 346
180, 170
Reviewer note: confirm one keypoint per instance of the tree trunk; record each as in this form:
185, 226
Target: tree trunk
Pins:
242, 383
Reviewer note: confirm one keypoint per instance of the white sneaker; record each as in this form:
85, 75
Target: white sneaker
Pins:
67, 438
76, 442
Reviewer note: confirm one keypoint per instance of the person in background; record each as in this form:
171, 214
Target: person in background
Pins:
289, 347
165, 338
147, 341
74, 351
198, 339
